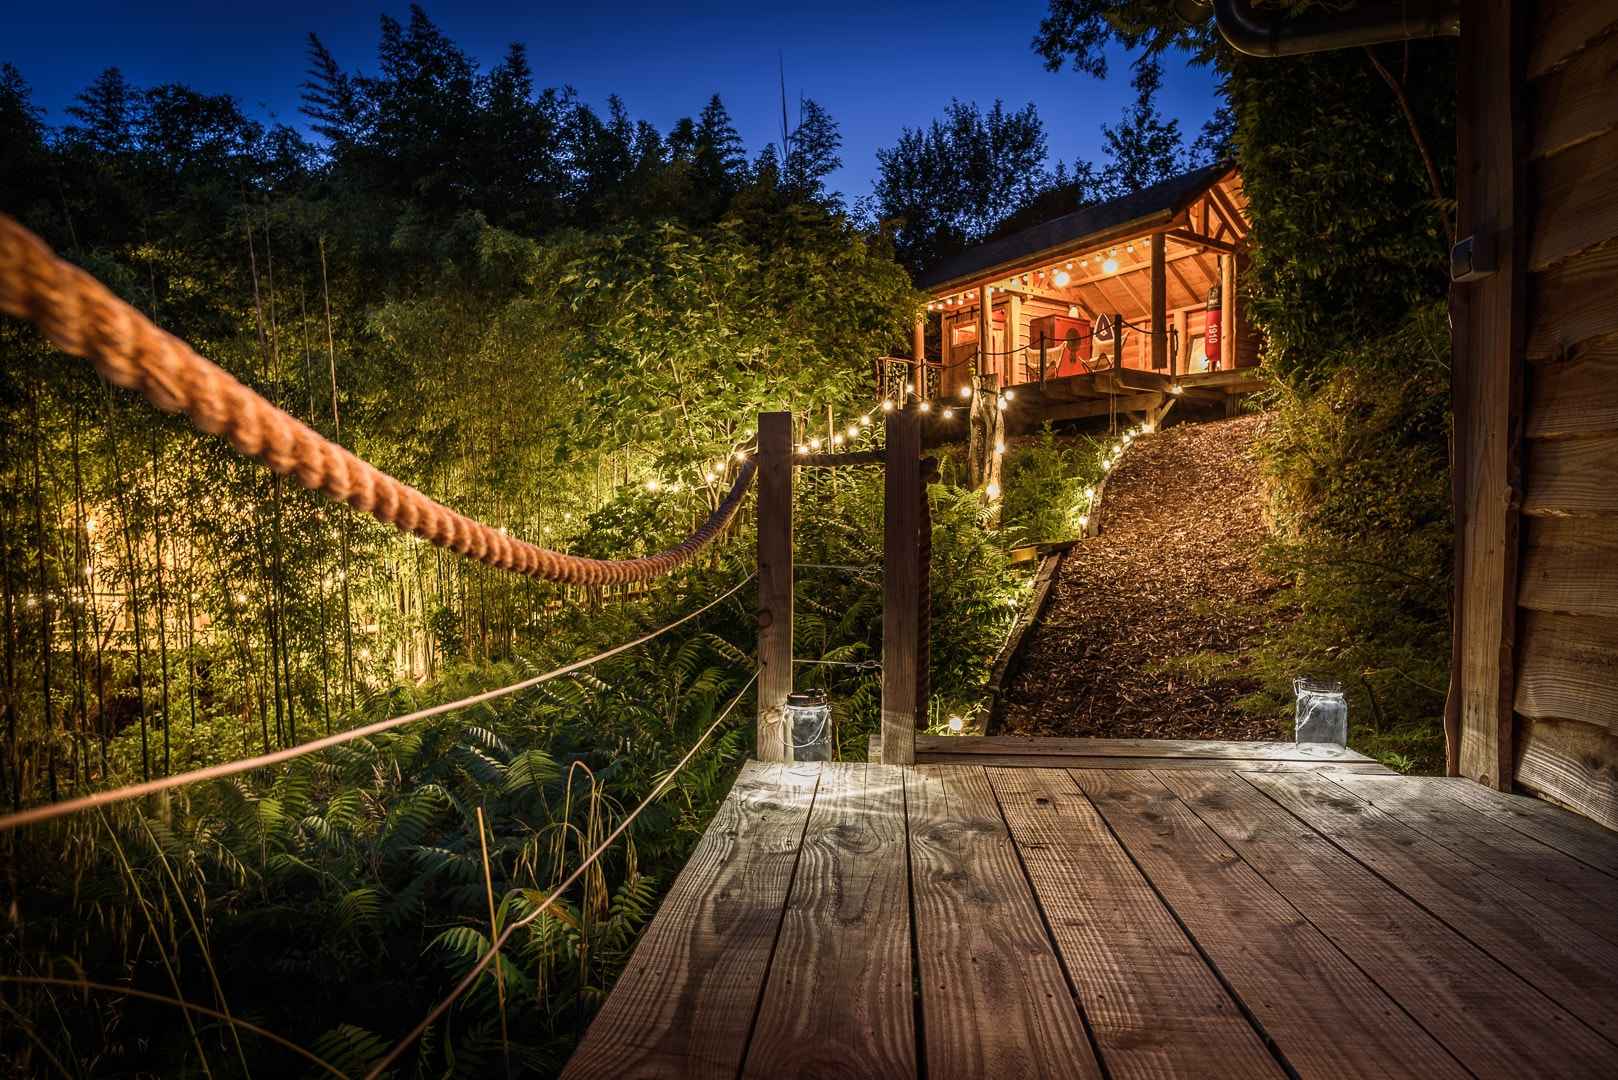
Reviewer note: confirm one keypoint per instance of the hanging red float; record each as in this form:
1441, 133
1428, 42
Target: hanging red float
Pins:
1211, 336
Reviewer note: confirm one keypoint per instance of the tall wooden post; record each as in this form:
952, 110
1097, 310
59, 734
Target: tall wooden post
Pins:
901, 586
1160, 302
986, 363
1227, 314
1117, 342
774, 584
918, 353
1016, 368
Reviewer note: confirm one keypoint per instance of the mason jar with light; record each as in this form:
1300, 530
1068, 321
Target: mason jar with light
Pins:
809, 720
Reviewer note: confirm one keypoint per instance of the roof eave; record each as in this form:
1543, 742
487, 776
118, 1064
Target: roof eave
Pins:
1157, 219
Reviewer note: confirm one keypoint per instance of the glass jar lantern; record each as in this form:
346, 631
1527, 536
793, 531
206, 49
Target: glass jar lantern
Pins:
809, 720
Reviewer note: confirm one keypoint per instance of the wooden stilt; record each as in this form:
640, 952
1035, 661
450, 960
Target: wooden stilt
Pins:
774, 583
901, 585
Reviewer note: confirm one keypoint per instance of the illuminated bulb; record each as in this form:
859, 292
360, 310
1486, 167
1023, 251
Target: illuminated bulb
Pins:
1089, 493
1001, 402
740, 455
1011, 395
1112, 251
1072, 311
1130, 248
949, 414
865, 421
1062, 278
651, 485
909, 388
241, 599
1084, 519
926, 406
837, 440
993, 490
1000, 446
853, 431
802, 449
814, 444
957, 725
1070, 264
712, 476
1110, 266
966, 393
887, 404
501, 530
1084, 262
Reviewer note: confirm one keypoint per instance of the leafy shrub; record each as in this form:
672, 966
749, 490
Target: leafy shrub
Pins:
1045, 483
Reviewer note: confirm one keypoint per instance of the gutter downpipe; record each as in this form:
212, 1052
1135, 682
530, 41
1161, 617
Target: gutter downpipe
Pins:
1375, 22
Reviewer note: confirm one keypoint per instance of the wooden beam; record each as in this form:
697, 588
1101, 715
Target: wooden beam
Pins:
774, 584
1160, 301
1227, 210
1186, 236
901, 585
1487, 367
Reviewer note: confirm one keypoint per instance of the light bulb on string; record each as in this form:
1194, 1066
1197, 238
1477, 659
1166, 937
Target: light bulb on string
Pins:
887, 404
837, 439
865, 421
949, 414
1011, 394
1062, 278
651, 485
966, 393
957, 724
1000, 446
853, 431
814, 444
1110, 266
993, 490
926, 406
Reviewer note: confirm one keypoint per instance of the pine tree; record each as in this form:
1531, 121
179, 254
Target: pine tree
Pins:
812, 152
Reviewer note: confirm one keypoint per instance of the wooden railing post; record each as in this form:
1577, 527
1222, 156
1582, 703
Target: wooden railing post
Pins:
901, 586
774, 584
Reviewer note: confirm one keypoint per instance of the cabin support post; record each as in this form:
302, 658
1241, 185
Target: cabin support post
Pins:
774, 584
1227, 313
1487, 369
1179, 359
1117, 342
918, 353
1016, 364
987, 361
901, 586
1160, 301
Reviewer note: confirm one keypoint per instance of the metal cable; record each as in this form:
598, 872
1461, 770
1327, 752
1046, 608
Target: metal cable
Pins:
49, 811
82, 317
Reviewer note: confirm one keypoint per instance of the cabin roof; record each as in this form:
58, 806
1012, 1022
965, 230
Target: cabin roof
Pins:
1162, 200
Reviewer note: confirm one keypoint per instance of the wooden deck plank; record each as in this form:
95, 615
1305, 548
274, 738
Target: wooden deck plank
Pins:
1569, 833
685, 1003
1496, 1024
991, 745
1562, 883
1326, 1017
1574, 967
1077, 761
994, 1000
839, 998
1155, 1008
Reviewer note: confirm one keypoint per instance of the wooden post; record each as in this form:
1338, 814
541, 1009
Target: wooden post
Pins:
774, 584
1160, 301
918, 353
901, 584
1117, 342
987, 363
1042, 357
1016, 366
1179, 361
1227, 312
1487, 372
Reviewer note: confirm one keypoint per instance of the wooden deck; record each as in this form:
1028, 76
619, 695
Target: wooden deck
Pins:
1124, 910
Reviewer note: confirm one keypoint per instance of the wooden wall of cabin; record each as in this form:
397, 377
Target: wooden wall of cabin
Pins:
1537, 404
1566, 694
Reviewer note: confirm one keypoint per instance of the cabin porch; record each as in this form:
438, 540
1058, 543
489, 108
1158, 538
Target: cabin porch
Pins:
1123, 909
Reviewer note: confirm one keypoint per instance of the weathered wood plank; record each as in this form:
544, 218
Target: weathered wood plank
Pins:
1583, 894
1079, 761
1576, 102
1009, 661
1572, 302
1214, 749
1569, 668
1574, 967
684, 1005
1562, 28
1487, 349
1574, 763
1575, 199
1570, 565
838, 1000
1577, 395
1570, 833
1155, 1008
1307, 997
994, 1000
1491, 1021
1571, 477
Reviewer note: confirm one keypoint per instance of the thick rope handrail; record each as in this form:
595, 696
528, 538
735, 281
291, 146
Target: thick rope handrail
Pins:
494, 948
50, 811
82, 317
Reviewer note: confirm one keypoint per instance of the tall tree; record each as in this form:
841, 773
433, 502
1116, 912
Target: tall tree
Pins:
1145, 146
952, 184
812, 152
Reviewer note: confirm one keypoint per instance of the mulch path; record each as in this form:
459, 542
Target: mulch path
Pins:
1173, 573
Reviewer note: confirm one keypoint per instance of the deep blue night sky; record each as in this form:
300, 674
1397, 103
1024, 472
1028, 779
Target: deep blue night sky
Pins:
876, 67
